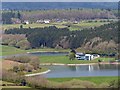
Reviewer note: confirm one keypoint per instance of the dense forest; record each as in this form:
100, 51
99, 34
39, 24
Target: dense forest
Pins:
8, 17
103, 38
69, 14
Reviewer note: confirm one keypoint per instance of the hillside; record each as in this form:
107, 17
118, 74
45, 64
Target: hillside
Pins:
90, 39
56, 16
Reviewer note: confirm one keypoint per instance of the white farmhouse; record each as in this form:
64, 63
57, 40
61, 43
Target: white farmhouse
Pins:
46, 21
40, 21
89, 57
82, 56
26, 22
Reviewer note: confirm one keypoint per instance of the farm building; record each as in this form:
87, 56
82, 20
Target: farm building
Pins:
16, 21
43, 21
26, 22
82, 56
40, 21
46, 21
75, 22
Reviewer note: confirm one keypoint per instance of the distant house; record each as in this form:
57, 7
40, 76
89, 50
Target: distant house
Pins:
82, 56
75, 22
59, 20
46, 21
43, 21
40, 21
16, 21
26, 22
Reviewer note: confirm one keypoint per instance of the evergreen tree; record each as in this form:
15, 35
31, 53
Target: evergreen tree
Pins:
19, 15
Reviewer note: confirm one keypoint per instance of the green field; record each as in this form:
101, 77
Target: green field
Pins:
96, 80
85, 24
65, 60
34, 25
79, 26
8, 50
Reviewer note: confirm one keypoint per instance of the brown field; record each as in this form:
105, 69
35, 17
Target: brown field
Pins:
7, 64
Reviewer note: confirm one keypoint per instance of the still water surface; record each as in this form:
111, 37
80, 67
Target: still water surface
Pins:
83, 70
75, 71
38, 54
49, 53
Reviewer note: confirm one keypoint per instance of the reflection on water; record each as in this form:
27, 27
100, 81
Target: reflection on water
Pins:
94, 67
83, 70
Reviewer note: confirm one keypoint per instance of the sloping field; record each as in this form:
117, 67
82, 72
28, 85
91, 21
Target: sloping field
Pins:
7, 64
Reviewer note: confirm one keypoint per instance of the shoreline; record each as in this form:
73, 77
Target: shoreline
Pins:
35, 74
61, 64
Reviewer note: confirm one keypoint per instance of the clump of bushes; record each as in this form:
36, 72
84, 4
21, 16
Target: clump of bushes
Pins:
37, 82
114, 84
28, 63
23, 59
33, 82
78, 84
71, 84
103, 85
22, 68
16, 40
11, 77
23, 44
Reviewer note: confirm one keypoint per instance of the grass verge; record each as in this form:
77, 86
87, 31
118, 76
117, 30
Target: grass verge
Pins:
96, 80
65, 60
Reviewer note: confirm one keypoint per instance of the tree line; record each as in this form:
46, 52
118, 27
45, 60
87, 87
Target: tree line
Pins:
8, 15
65, 14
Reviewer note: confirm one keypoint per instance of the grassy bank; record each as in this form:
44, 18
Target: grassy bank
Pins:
9, 65
11, 85
84, 24
8, 50
96, 80
65, 60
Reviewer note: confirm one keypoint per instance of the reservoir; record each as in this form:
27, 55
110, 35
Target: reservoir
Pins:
82, 70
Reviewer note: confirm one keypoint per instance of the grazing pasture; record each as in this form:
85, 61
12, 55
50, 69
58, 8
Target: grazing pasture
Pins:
78, 26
